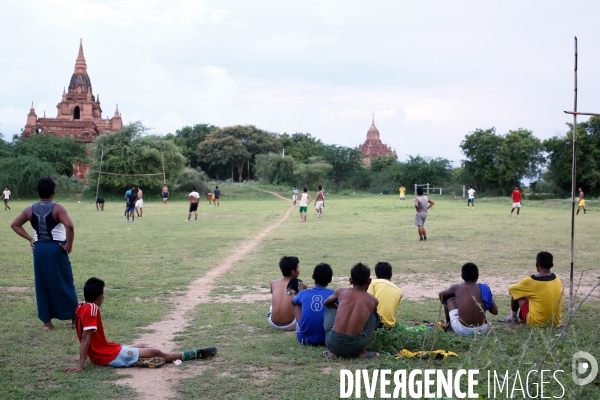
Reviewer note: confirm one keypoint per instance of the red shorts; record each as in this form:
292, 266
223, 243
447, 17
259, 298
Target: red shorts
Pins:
524, 311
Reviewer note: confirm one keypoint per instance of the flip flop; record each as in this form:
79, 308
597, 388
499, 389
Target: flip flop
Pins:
372, 354
153, 362
328, 354
509, 320
207, 352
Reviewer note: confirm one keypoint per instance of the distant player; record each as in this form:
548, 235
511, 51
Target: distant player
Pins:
581, 202
216, 196
402, 191
294, 194
422, 204
7, 197
127, 193
304, 202
194, 196
165, 194
471, 200
131, 199
139, 204
100, 203
319, 202
208, 196
516, 198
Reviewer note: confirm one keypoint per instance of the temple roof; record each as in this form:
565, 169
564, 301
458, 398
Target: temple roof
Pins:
373, 132
80, 76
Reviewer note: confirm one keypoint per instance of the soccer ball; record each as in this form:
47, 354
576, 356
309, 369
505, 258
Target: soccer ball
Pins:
79, 201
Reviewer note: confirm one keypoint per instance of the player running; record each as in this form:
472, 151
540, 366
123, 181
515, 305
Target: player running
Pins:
402, 191
581, 203
7, 197
194, 196
139, 204
516, 198
319, 202
294, 194
165, 194
471, 200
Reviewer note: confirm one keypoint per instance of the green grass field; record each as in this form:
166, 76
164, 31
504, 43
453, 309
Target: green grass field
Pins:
148, 263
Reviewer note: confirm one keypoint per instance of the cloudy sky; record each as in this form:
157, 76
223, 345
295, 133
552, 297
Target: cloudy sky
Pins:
431, 71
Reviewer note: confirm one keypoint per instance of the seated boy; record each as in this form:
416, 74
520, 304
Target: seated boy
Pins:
349, 324
388, 294
309, 307
94, 345
466, 303
537, 297
281, 313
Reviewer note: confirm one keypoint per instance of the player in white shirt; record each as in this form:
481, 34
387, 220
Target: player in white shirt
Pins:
194, 196
7, 197
471, 200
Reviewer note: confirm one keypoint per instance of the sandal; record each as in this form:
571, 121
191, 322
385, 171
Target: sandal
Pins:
509, 320
207, 352
153, 362
328, 354
372, 354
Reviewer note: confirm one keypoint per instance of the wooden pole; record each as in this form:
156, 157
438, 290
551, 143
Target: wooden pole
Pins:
99, 173
163, 165
573, 186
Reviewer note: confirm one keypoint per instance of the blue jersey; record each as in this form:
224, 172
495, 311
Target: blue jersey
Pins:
310, 329
127, 193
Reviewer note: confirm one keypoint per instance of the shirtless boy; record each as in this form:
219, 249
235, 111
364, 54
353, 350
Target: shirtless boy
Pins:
139, 204
349, 324
281, 313
466, 303
208, 197
94, 345
194, 196
319, 202
581, 202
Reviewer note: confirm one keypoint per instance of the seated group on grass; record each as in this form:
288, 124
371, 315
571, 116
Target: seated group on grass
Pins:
344, 319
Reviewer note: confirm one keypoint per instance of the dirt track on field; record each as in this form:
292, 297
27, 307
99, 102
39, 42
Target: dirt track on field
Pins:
158, 383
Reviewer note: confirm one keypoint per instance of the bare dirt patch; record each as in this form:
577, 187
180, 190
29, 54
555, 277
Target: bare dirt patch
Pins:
13, 289
159, 382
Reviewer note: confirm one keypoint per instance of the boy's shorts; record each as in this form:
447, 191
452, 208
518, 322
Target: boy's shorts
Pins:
5, 201
193, 207
319, 204
517, 204
420, 218
463, 330
130, 209
139, 203
471, 200
294, 197
303, 209
581, 203
126, 357
523, 311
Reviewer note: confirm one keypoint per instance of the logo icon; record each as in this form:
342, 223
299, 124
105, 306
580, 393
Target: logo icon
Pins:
584, 363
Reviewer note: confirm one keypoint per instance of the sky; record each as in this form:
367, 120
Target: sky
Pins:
430, 71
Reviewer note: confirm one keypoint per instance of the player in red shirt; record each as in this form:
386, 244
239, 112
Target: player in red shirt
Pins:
516, 198
94, 345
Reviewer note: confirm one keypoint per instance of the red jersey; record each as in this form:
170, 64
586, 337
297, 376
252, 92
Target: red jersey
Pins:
516, 195
100, 352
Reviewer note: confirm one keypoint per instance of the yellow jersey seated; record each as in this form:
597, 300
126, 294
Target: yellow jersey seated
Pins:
545, 298
389, 296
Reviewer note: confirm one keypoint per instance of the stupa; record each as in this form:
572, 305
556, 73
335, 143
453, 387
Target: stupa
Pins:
374, 147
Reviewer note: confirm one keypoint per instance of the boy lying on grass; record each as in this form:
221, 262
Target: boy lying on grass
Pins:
537, 299
94, 345
388, 294
281, 313
349, 324
309, 307
466, 303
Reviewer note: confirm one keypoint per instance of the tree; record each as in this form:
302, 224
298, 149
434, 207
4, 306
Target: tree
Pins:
382, 163
312, 172
128, 152
61, 152
188, 138
22, 173
301, 146
482, 149
520, 157
274, 168
237, 144
344, 161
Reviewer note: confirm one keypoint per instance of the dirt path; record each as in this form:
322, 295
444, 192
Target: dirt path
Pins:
159, 383
274, 194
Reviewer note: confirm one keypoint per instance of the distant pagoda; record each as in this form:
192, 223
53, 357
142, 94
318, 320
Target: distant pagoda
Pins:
374, 147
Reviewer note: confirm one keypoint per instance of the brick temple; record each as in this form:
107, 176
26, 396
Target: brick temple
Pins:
374, 147
79, 113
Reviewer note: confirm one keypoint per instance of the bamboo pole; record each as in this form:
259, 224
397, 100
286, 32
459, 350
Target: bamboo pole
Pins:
163, 166
573, 185
99, 174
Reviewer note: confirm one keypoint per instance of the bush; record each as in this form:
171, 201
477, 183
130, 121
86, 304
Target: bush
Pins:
22, 173
191, 177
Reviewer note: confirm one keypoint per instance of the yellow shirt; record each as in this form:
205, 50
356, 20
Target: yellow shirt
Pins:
402, 190
389, 296
545, 298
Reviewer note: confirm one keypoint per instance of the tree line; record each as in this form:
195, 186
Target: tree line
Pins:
493, 162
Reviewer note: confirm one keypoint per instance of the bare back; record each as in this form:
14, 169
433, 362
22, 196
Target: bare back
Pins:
282, 311
140, 194
470, 311
355, 307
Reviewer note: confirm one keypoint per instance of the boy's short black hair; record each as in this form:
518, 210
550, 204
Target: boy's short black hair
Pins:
545, 260
294, 187
45, 187
320, 187
287, 264
216, 187
194, 188
420, 191
470, 272
470, 186
322, 274
93, 289
6, 187
305, 190
139, 186
360, 274
130, 186
383, 270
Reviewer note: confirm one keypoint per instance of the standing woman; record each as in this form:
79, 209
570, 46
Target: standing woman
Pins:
51, 245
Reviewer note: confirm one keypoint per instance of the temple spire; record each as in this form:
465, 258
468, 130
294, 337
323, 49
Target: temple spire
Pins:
373, 121
80, 64
31, 109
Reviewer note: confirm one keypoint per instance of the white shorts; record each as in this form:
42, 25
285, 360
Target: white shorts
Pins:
460, 329
319, 204
401, 196
517, 204
139, 203
290, 327
294, 197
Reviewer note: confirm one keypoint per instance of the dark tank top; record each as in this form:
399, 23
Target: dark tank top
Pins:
45, 226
